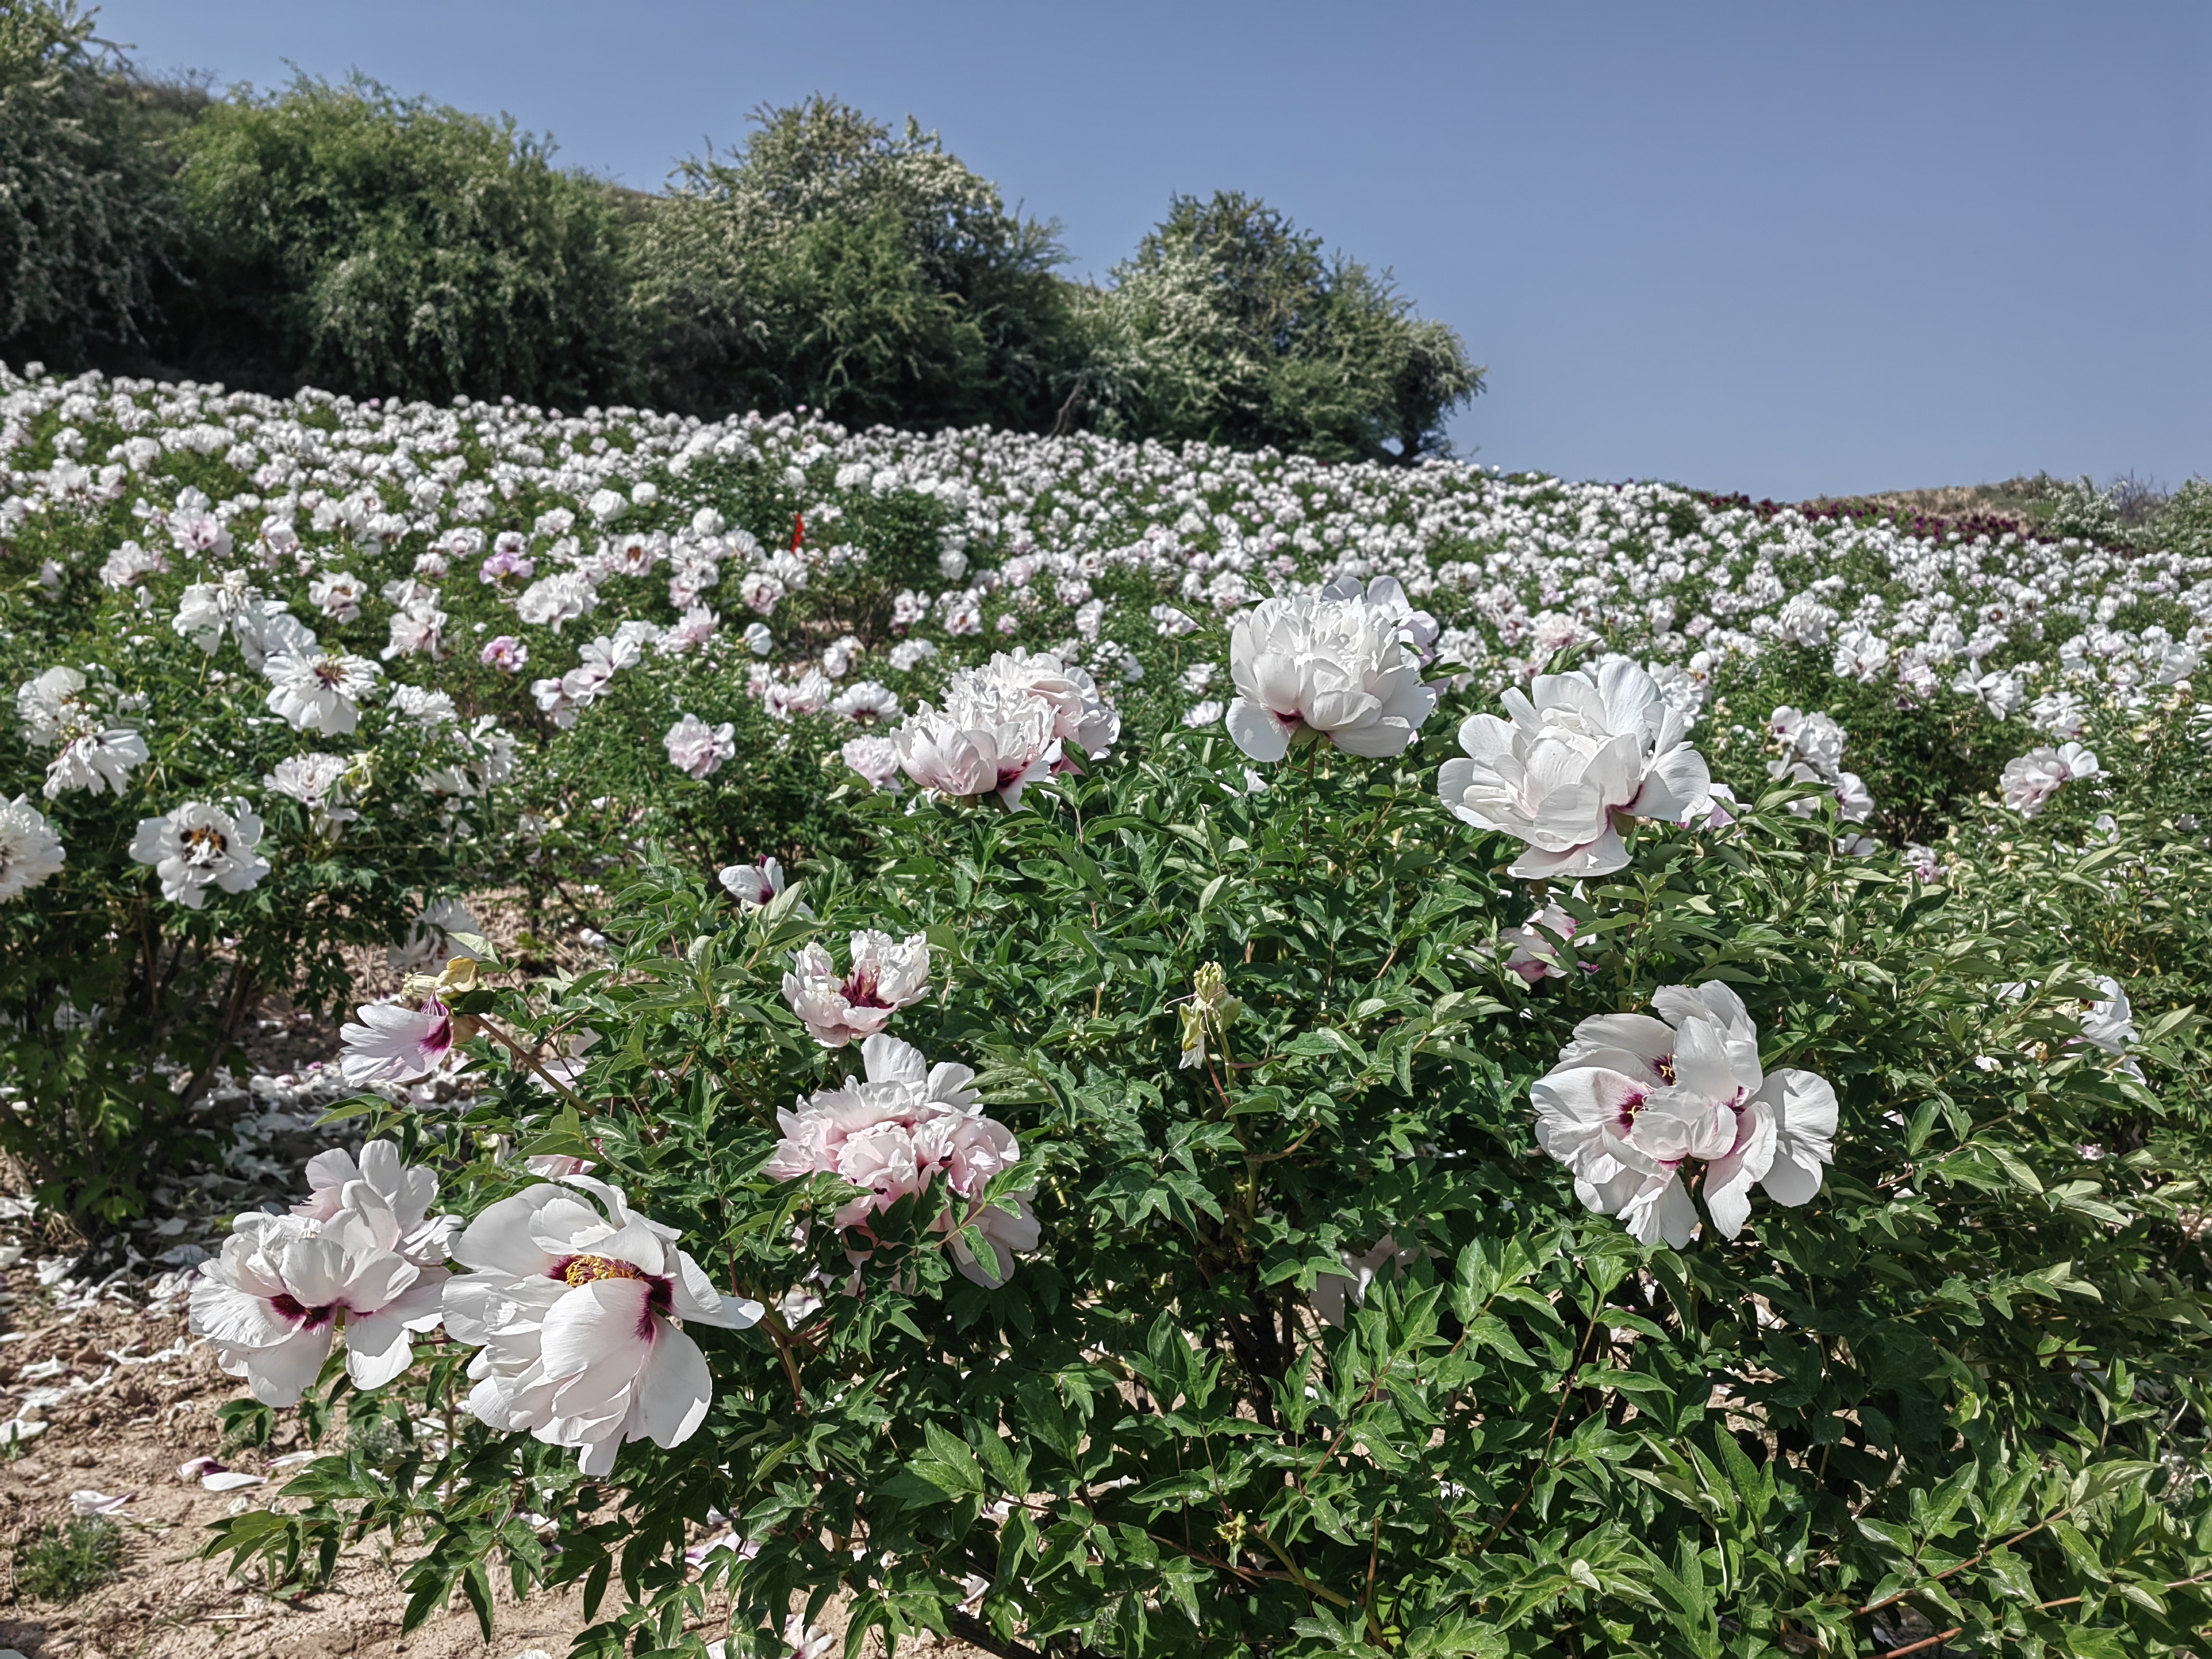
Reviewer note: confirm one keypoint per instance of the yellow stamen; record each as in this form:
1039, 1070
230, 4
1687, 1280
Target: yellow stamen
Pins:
584, 1269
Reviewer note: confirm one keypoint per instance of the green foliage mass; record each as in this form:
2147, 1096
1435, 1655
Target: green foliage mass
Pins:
346, 236
869, 274
88, 218
1230, 325
61, 1563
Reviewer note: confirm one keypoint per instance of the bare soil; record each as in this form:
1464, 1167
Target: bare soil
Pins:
125, 1430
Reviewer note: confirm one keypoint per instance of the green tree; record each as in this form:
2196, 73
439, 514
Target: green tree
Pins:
873, 276
372, 243
1231, 326
87, 215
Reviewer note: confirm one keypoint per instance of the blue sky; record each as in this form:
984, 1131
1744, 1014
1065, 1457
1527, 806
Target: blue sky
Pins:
1789, 249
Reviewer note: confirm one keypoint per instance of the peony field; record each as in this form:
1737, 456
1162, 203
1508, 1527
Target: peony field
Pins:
626, 1034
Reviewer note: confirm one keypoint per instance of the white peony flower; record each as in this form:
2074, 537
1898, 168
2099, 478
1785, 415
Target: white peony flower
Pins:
54, 705
575, 1307
875, 758
30, 850
394, 1043
96, 760
697, 748
1329, 667
2029, 783
1585, 751
199, 845
865, 700
2109, 1024
337, 594
285, 1287
1633, 1100
992, 737
317, 691
1534, 952
1079, 715
894, 1131
885, 975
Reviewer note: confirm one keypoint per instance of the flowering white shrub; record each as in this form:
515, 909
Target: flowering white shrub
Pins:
1227, 1305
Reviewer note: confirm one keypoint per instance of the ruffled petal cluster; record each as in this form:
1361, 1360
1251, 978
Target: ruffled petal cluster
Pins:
30, 850
886, 975
1329, 666
358, 1263
578, 1307
895, 1129
1003, 727
1580, 751
1636, 1103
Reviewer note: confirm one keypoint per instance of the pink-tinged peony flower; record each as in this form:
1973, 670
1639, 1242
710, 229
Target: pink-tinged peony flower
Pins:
576, 1309
386, 1182
691, 631
896, 1130
285, 1287
506, 561
2030, 783
697, 748
418, 628
1330, 667
756, 883
1634, 1100
337, 594
885, 975
875, 758
1079, 715
993, 737
394, 1043
1923, 862
505, 653
201, 845
1585, 749
1535, 954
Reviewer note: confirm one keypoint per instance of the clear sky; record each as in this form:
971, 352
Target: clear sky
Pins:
1787, 248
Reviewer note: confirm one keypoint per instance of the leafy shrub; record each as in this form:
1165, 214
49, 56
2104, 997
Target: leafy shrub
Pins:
88, 217
63, 1563
873, 277
1230, 326
389, 246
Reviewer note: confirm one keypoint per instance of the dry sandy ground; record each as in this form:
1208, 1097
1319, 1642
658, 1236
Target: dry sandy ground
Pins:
126, 1432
